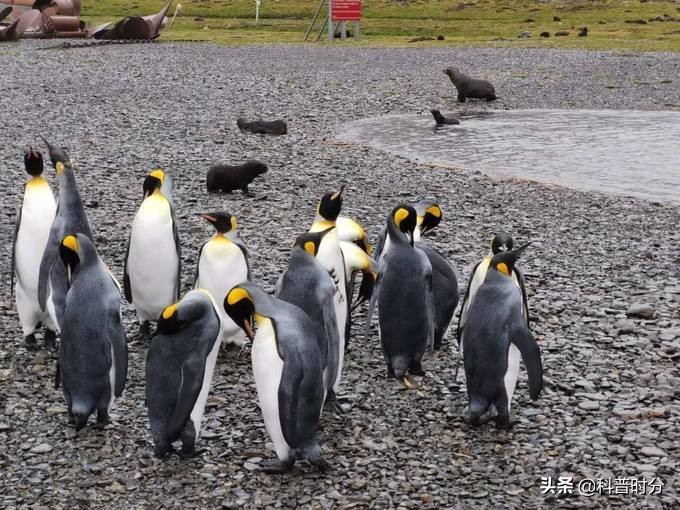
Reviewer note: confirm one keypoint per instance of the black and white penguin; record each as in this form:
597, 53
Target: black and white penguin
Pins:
93, 349
179, 370
350, 232
222, 264
404, 298
495, 324
70, 218
153, 261
307, 284
288, 372
32, 230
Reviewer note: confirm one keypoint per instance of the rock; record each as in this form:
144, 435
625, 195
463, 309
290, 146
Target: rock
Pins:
624, 326
524, 35
545, 34
652, 451
41, 448
641, 311
589, 405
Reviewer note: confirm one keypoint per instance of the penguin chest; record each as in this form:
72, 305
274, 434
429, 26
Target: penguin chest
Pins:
330, 257
267, 371
152, 261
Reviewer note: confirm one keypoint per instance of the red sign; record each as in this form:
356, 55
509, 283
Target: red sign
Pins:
346, 10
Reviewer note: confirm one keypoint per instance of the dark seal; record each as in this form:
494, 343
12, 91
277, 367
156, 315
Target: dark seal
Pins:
228, 178
441, 119
470, 87
262, 127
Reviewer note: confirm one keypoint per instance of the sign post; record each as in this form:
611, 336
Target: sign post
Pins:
342, 11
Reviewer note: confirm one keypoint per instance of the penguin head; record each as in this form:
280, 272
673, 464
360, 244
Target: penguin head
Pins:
153, 181
429, 215
222, 221
33, 162
240, 308
504, 261
330, 205
59, 158
311, 241
176, 316
502, 242
405, 219
68, 252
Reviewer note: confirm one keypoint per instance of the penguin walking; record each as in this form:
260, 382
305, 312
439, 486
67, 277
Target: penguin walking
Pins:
495, 324
32, 230
306, 284
179, 371
70, 218
222, 264
93, 349
404, 298
153, 261
288, 372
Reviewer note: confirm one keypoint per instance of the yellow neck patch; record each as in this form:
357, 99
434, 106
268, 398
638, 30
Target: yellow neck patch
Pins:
503, 268
59, 167
158, 174
71, 243
36, 181
321, 225
169, 311
237, 295
399, 216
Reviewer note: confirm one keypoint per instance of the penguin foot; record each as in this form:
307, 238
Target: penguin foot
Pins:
332, 405
50, 339
502, 422
190, 454
275, 467
31, 342
320, 465
409, 382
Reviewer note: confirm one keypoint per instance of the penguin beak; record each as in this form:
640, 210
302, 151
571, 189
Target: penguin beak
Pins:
248, 328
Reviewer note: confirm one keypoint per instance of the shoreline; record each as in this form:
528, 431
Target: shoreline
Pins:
611, 380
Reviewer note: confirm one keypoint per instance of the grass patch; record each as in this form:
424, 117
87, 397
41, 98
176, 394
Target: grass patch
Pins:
395, 22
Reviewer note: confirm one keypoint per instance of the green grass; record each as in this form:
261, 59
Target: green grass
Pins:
395, 22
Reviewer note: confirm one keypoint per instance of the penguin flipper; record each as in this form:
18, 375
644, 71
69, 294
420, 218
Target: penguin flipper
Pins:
178, 248
57, 376
462, 316
429, 299
126, 276
118, 344
47, 262
331, 327
380, 243
192, 380
531, 354
372, 303
244, 249
289, 390
14, 253
525, 303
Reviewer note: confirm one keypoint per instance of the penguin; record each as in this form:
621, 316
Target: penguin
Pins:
350, 231
495, 326
306, 284
501, 242
404, 298
32, 230
179, 371
70, 218
287, 368
223, 263
153, 260
93, 349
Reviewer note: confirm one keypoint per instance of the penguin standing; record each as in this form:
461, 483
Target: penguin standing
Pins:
351, 233
70, 218
404, 298
153, 261
34, 221
179, 371
308, 285
93, 349
223, 263
494, 325
288, 374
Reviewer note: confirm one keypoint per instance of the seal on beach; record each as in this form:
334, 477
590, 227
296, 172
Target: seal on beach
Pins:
470, 87
227, 178
262, 127
442, 120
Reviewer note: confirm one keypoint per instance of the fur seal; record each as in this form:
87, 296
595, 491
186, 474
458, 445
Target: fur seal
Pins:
470, 87
228, 178
262, 127
441, 119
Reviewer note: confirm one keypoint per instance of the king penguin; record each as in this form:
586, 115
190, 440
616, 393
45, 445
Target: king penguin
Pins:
404, 298
494, 325
351, 236
32, 230
70, 218
93, 349
306, 284
223, 263
153, 261
179, 370
287, 367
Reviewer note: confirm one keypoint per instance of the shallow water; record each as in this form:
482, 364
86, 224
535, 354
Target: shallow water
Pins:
634, 153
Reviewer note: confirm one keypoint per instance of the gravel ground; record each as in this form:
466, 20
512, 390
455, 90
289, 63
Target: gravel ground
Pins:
610, 403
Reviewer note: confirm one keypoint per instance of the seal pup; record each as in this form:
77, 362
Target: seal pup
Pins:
262, 127
287, 368
227, 178
470, 87
495, 334
441, 120
32, 229
179, 371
